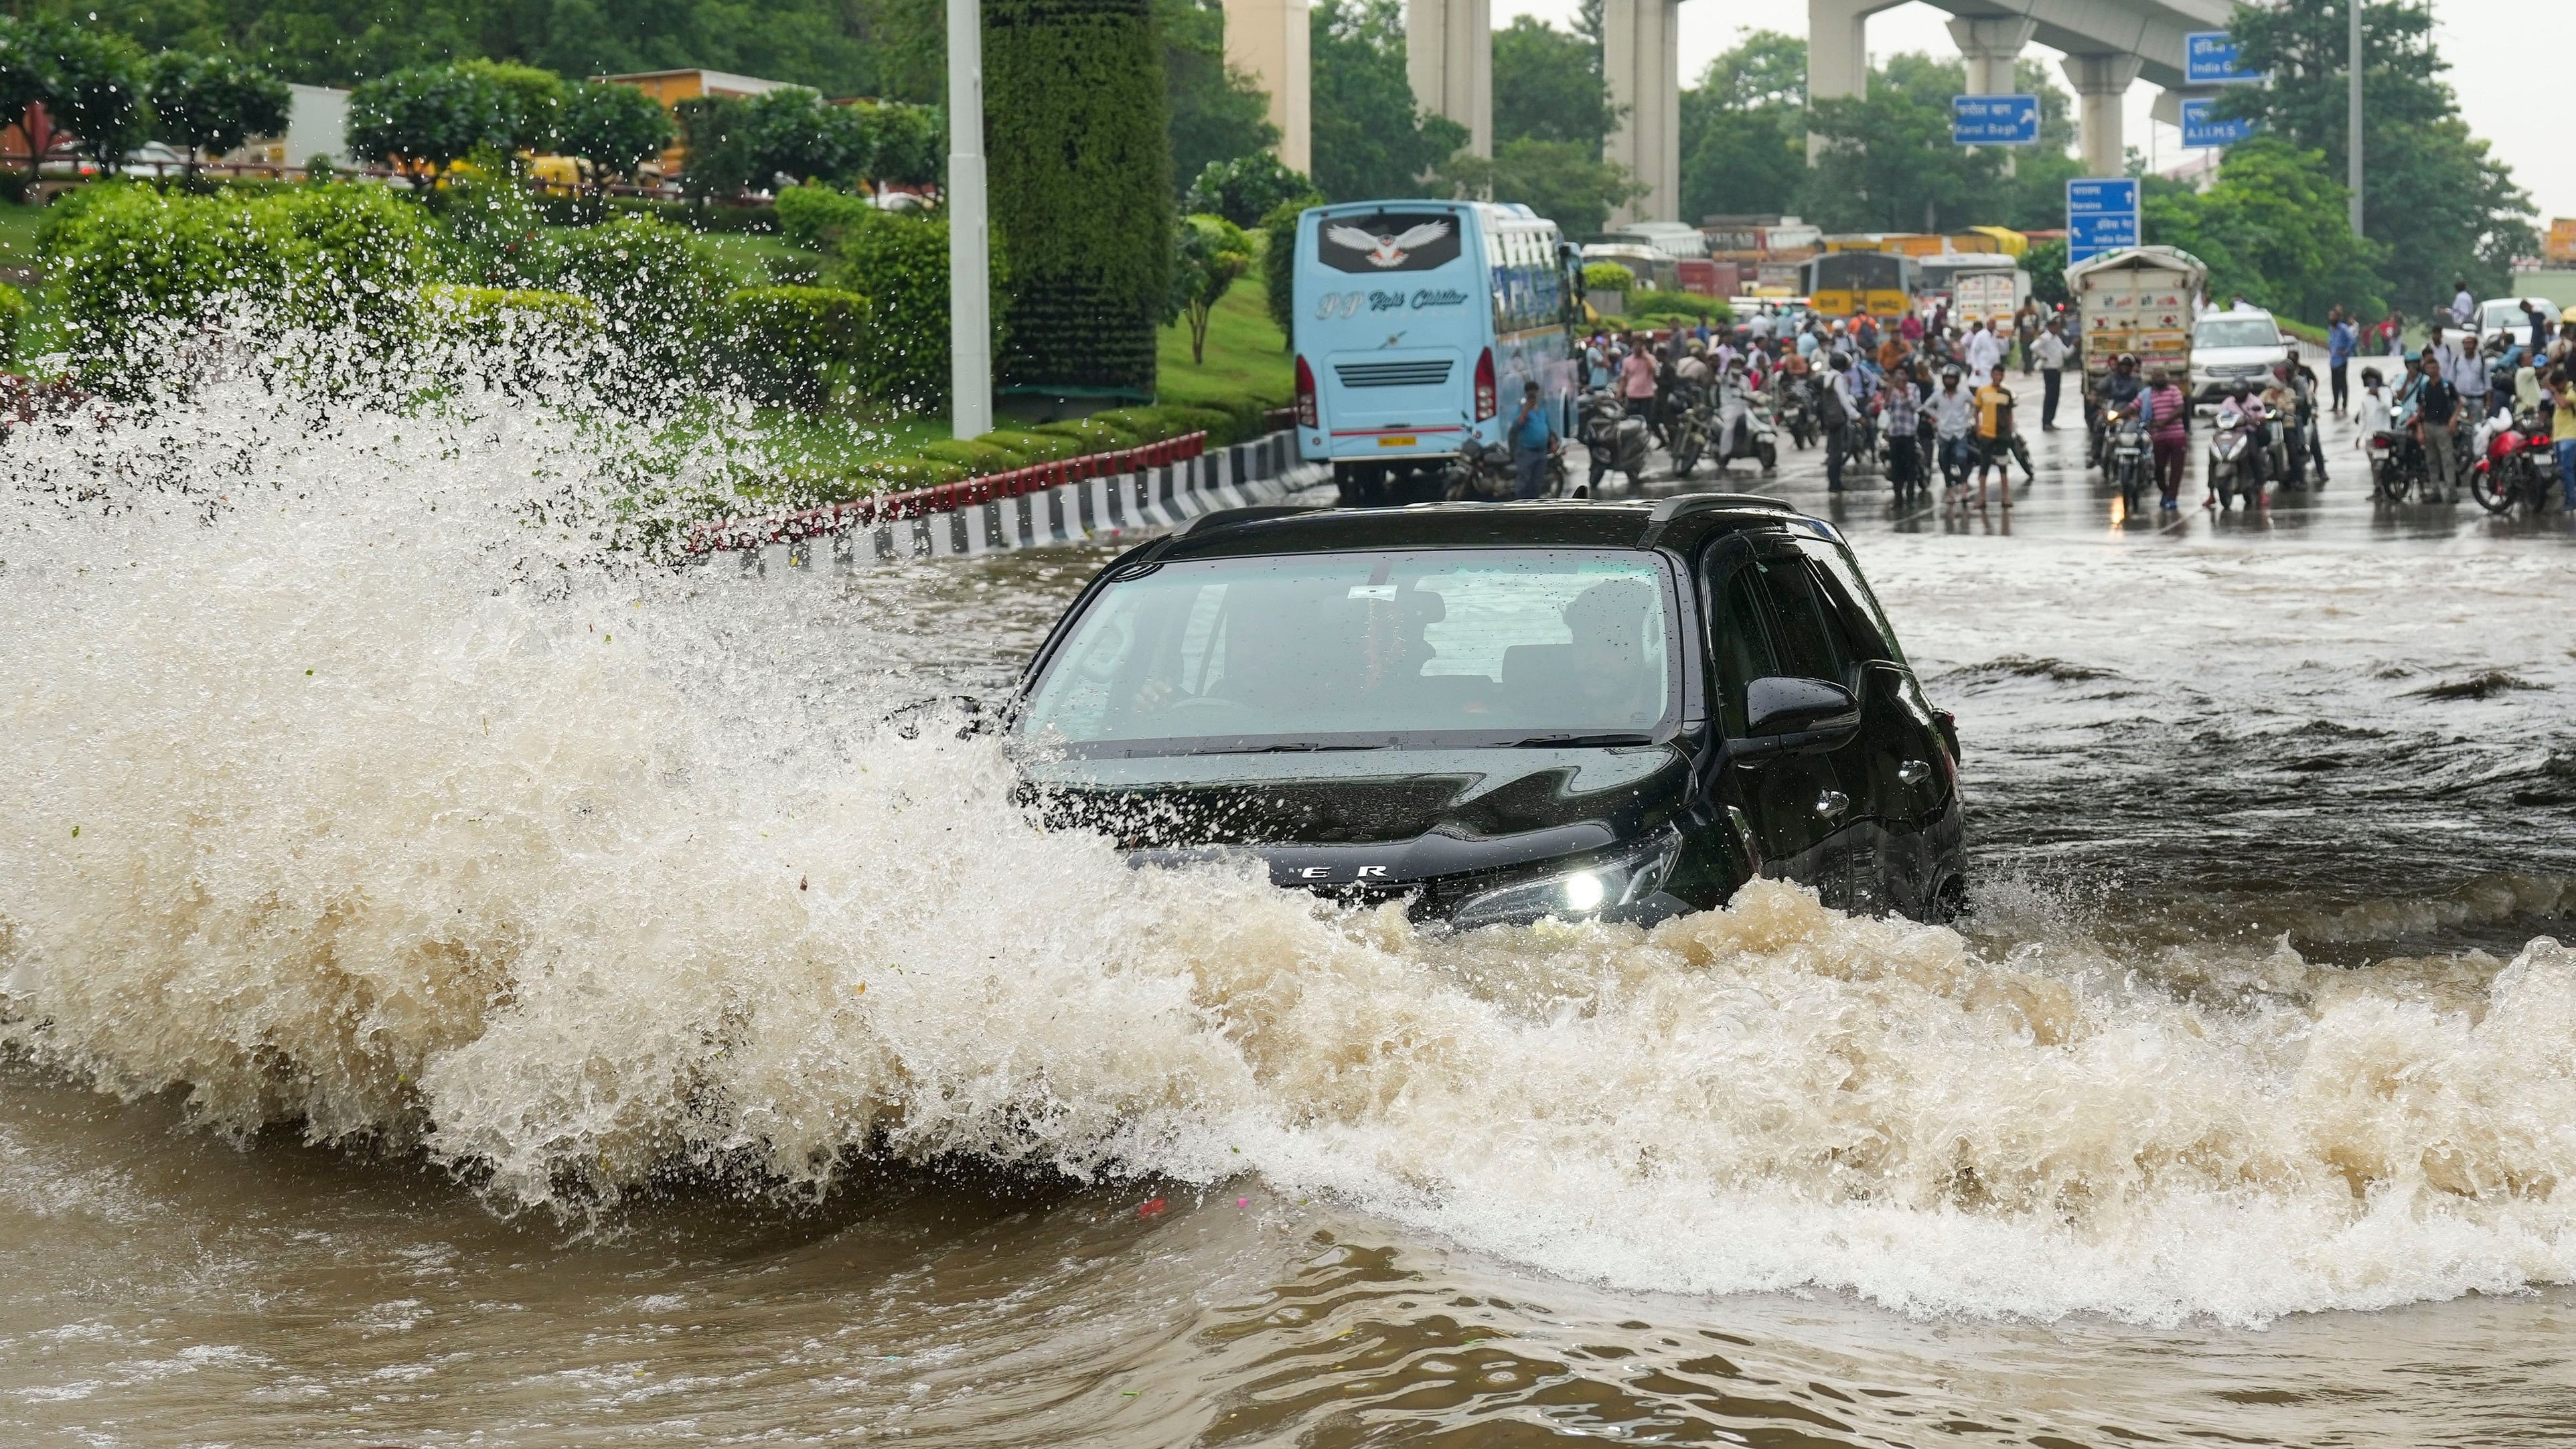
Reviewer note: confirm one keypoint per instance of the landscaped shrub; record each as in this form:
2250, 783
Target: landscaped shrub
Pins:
1149, 425
785, 342
514, 339
14, 184
657, 294
132, 259
1217, 424
13, 320
1607, 277
1648, 302
1082, 190
899, 264
978, 458
887, 474
817, 216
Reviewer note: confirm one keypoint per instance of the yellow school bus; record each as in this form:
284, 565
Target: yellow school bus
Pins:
1848, 283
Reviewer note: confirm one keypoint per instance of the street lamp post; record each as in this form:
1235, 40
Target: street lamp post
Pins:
2352, 142
970, 279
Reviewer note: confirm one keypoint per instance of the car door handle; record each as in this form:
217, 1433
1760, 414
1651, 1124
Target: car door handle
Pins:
1913, 772
1832, 803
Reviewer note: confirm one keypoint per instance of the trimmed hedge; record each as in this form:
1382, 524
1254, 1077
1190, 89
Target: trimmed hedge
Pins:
1648, 302
1092, 435
818, 216
899, 263
785, 343
1082, 189
977, 457
1032, 447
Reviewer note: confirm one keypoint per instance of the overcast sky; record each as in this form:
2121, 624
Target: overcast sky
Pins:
2509, 63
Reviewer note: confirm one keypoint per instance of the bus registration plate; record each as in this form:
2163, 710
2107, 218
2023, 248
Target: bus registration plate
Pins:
1405, 442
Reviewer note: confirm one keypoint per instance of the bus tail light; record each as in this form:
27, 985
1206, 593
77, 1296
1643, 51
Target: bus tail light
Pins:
1485, 405
1305, 394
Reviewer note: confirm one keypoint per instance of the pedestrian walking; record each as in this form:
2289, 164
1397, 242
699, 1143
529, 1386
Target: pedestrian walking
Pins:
2051, 352
1983, 350
2437, 411
1898, 417
1953, 410
2464, 308
2342, 341
1994, 432
1637, 379
2168, 415
2562, 431
1837, 409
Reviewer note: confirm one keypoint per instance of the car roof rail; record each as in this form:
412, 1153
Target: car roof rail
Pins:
1683, 505
1252, 513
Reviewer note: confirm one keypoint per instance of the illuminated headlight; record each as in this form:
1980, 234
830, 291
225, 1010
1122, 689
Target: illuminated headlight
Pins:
1599, 888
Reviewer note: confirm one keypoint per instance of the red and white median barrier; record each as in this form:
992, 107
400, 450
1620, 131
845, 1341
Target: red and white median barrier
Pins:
1158, 485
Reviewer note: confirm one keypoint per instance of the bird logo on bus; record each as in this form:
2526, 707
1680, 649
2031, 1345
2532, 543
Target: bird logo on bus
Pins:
1387, 251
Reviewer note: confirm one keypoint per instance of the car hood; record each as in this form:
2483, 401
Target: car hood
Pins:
2207, 357
1381, 817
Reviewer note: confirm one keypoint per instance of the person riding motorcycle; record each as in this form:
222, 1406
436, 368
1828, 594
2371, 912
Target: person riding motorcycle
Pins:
2118, 388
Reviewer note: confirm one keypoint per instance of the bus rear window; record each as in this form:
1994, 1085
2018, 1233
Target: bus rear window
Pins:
1390, 241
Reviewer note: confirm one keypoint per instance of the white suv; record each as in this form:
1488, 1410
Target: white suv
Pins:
2232, 347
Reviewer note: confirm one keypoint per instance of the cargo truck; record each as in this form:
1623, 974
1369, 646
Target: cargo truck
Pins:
2139, 300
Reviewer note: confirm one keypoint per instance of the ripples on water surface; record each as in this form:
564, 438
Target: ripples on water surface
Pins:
499, 996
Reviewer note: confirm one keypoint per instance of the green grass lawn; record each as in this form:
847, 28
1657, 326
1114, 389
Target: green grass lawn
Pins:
18, 235
1246, 356
760, 261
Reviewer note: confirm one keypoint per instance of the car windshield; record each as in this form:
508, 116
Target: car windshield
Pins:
2236, 332
2509, 314
1361, 650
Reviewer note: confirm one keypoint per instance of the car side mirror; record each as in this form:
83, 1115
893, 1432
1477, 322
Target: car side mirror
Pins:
1792, 716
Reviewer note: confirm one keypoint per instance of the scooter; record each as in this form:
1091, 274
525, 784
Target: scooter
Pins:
2237, 454
1743, 429
1797, 411
1617, 442
1688, 435
2518, 466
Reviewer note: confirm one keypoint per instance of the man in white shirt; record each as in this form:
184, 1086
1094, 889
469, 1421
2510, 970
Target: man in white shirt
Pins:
2466, 367
2464, 308
1982, 350
2050, 352
2370, 409
1954, 412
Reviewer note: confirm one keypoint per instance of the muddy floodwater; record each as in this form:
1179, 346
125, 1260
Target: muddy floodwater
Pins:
456, 989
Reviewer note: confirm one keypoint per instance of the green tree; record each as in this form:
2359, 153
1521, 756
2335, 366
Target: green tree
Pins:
532, 101
423, 119
1248, 188
1369, 138
1888, 164
215, 102
26, 65
1217, 112
610, 129
1081, 190
2273, 228
1744, 129
2440, 205
99, 81
795, 132
1209, 254
1564, 181
1548, 87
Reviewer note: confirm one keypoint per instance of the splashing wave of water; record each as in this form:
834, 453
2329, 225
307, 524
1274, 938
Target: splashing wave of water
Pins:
352, 787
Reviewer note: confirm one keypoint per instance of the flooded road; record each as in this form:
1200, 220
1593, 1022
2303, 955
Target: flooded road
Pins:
494, 1001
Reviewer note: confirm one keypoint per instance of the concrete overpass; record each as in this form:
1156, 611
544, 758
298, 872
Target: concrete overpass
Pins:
1449, 58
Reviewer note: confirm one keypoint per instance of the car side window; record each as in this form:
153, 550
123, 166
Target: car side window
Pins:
1812, 642
1739, 637
1850, 594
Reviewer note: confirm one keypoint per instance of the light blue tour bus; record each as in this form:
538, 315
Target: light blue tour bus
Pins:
1417, 324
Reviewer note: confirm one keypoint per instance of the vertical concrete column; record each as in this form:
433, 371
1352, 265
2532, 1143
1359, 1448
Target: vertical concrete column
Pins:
1642, 65
1449, 57
1989, 45
1837, 53
2101, 83
1268, 40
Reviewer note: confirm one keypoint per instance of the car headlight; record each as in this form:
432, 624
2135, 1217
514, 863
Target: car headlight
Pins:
1606, 887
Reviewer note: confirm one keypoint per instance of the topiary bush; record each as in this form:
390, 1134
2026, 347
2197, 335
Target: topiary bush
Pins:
977, 457
899, 263
817, 216
785, 343
1091, 435
1032, 447
518, 340
658, 295
891, 474
1082, 190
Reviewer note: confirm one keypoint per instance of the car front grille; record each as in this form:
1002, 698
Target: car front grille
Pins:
1393, 374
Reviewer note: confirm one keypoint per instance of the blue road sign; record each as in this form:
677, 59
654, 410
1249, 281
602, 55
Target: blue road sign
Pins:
2101, 216
1994, 120
2209, 59
2200, 127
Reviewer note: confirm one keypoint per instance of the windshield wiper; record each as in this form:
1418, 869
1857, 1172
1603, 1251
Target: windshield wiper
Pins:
1627, 738
1297, 747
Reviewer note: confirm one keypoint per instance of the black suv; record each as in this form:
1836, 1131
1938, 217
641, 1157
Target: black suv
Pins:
1503, 712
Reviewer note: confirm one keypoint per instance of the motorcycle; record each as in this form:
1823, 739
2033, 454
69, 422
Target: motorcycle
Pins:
2396, 465
1482, 472
2237, 454
1688, 436
2519, 465
1617, 442
1797, 409
2131, 459
2285, 446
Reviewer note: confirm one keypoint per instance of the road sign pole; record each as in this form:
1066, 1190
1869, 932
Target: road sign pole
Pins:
970, 276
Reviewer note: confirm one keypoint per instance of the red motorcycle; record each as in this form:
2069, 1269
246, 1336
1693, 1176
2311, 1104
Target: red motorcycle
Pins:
2519, 466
